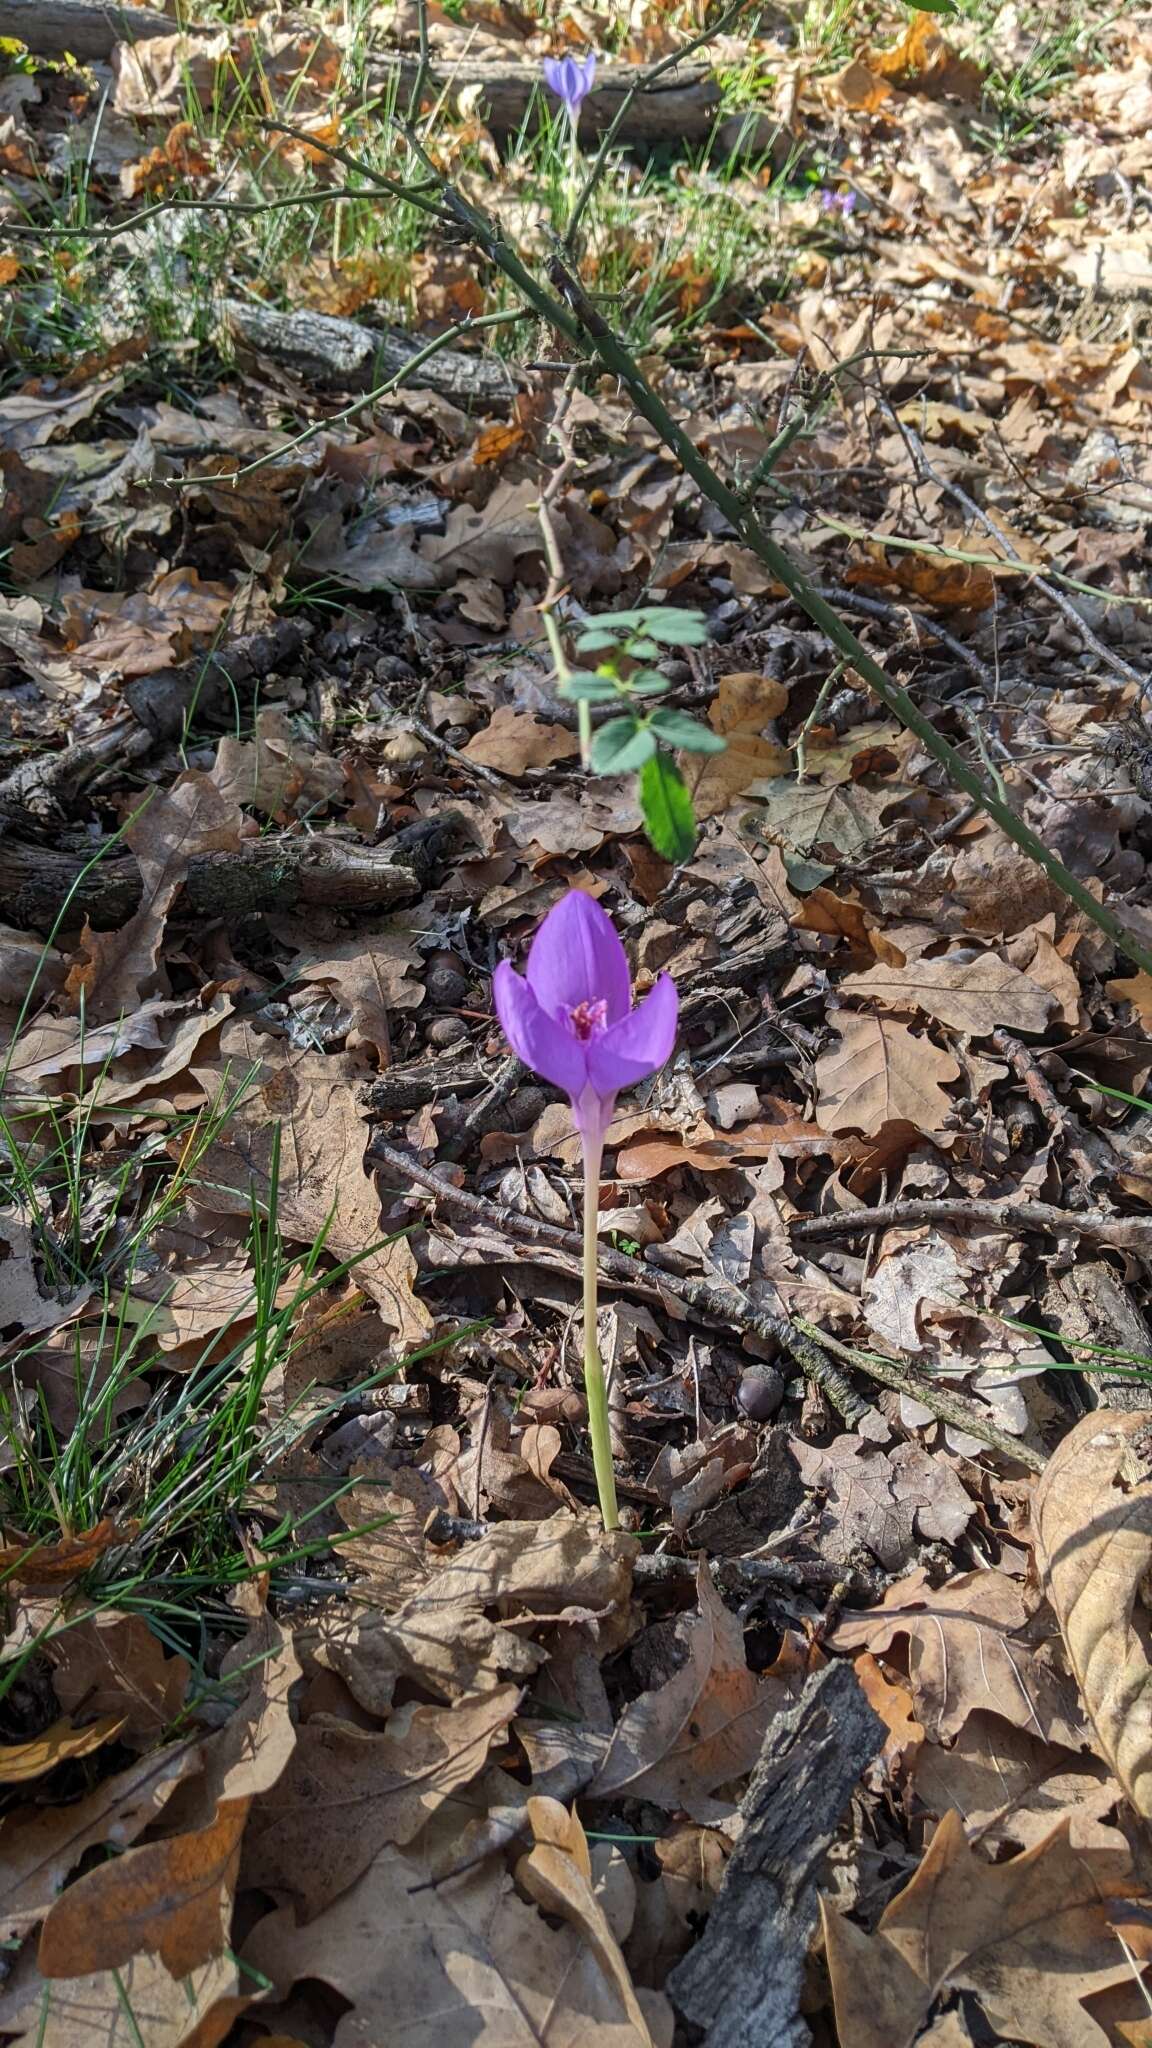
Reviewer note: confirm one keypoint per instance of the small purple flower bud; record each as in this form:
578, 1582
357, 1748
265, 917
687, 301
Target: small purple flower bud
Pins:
570, 1015
571, 79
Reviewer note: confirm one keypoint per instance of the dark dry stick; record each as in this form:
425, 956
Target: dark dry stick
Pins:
1122, 1233
722, 1305
1028, 1069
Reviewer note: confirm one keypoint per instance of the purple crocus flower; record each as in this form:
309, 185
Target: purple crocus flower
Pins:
571, 1016
571, 79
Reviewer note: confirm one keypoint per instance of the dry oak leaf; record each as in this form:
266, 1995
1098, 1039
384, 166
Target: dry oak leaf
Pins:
172, 1898
350, 1792
970, 1649
121, 2008
21, 1762
41, 1846
557, 1872
111, 1663
515, 741
323, 1191
699, 1730
971, 995
48, 1566
885, 1499
1031, 1938
464, 1963
744, 704
117, 968
880, 1074
1093, 1519
806, 815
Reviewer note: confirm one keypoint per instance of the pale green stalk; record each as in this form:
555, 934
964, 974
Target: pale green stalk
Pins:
594, 1384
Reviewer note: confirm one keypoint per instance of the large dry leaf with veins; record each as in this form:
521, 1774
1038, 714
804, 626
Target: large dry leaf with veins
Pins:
1093, 1518
702, 1728
121, 966
349, 1792
972, 995
173, 1898
879, 1074
462, 1964
41, 1846
323, 1189
974, 1644
1030, 1938
142, 2002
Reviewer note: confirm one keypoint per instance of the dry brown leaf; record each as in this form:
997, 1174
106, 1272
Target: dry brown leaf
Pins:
323, 1188
882, 1074
743, 706
122, 966
884, 1499
1031, 1938
111, 1663
41, 1846
1093, 1517
24, 1311
557, 1872
172, 1898
466, 1962
49, 1566
804, 816
972, 995
350, 1792
120, 2008
278, 772
974, 1645
370, 975
703, 1728
515, 741
21, 1762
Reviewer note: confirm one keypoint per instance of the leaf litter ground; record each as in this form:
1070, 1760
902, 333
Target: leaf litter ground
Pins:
327, 1713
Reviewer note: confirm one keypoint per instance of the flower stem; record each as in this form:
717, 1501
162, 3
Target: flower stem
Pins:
594, 1386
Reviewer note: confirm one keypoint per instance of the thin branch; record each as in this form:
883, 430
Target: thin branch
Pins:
1121, 1233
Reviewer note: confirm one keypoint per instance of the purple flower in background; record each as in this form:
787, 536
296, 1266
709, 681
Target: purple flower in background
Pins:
571, 1017
571, 79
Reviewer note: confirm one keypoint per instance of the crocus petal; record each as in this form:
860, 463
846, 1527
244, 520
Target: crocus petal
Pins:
549, 1048
577, 958
632, 1049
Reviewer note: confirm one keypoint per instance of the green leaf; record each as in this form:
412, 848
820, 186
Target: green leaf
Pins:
588, 689
680, 729
621, 745
594, 638
667, 807
677, 628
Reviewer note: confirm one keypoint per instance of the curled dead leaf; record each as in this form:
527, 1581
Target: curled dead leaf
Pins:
1094, 1546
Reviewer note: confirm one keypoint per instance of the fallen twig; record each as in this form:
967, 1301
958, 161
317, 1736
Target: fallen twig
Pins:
1122, 1233
720, 1304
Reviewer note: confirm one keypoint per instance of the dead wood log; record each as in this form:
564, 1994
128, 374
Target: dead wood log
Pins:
1089, 1304
674, 109
743, 1982
281, 873
88, 29
160, 706
324, 349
